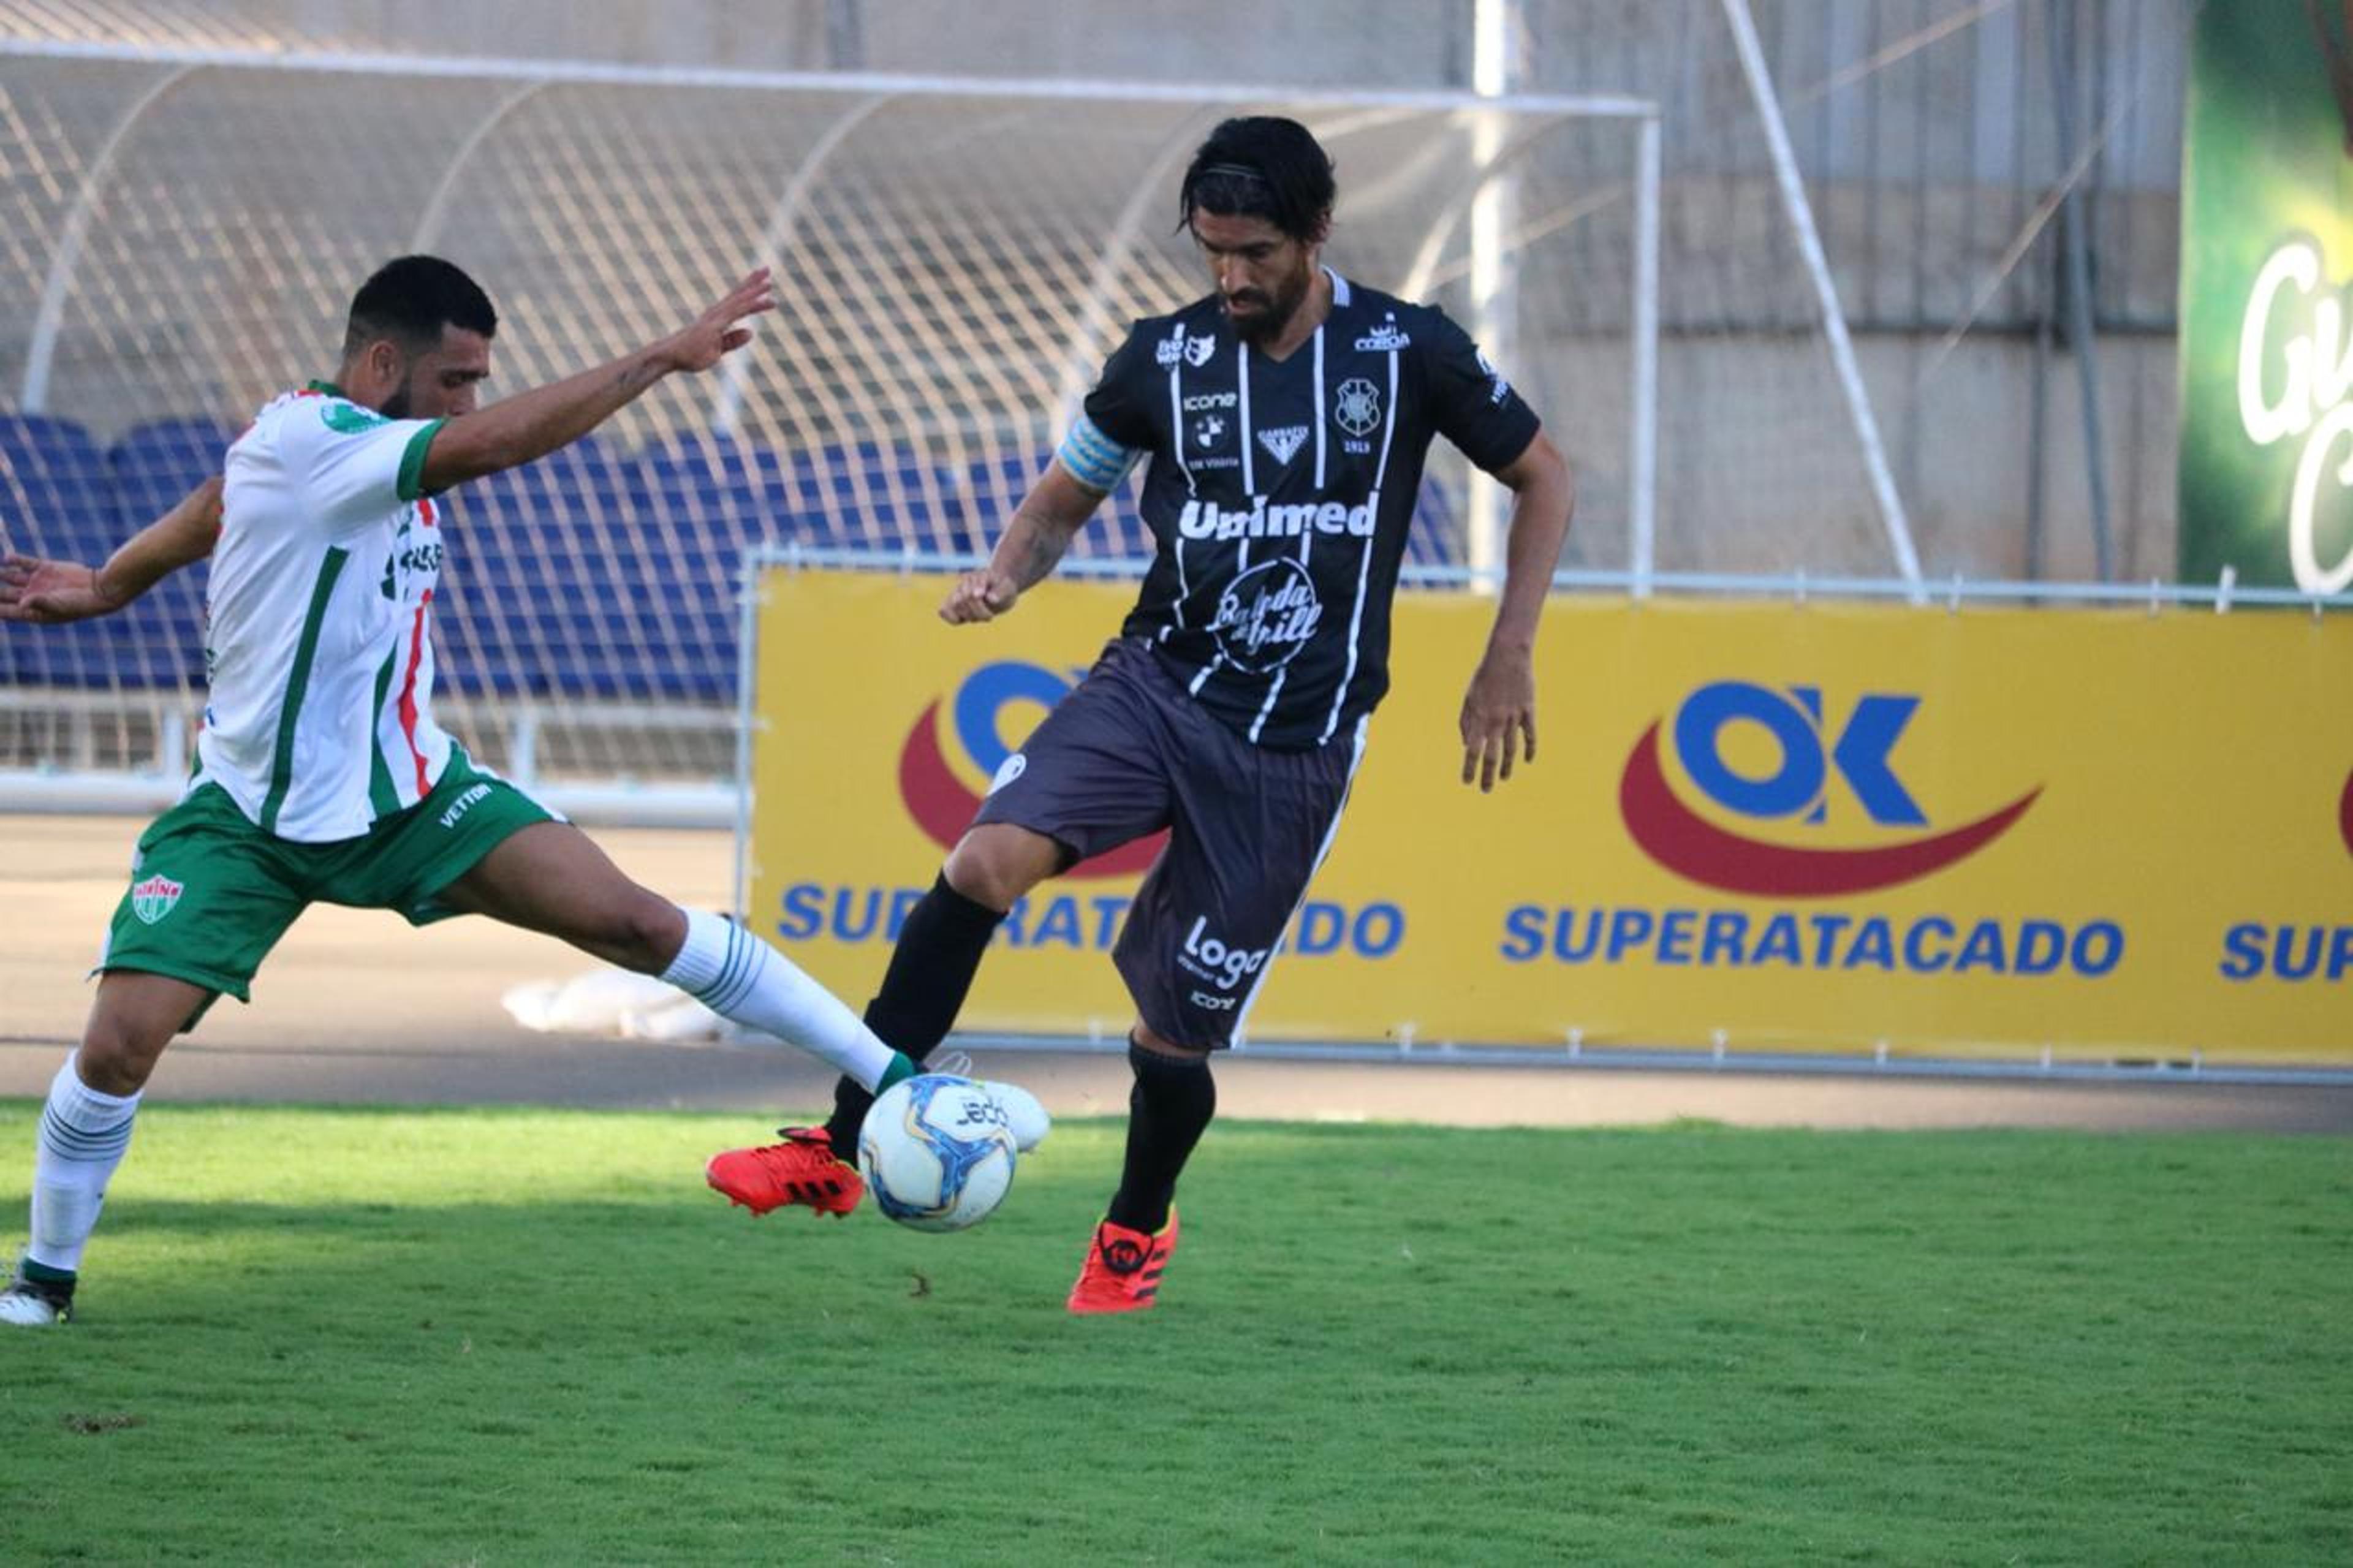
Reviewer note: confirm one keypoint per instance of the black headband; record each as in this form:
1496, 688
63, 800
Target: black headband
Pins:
1239, 171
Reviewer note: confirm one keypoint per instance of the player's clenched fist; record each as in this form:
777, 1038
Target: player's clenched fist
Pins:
981, 596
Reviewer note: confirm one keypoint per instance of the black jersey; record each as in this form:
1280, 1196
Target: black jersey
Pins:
1279, 495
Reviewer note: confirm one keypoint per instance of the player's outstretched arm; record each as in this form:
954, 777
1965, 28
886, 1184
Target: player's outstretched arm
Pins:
515, 430
1043, 525
1499, 711
49, 592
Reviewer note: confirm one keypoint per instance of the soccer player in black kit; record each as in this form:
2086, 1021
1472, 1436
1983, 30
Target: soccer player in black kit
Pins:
1287, 416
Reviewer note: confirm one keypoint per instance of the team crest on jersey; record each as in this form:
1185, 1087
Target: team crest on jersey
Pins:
1209, 430
348, 418
1356, 405
1199, 351
1267, 615
153, 899
1284, 440
1383, 338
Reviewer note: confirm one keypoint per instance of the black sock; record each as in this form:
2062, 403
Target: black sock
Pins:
52, 1281
923, 989
1172, 1102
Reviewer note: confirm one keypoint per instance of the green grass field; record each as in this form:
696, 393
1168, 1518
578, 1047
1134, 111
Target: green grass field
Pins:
497, 1337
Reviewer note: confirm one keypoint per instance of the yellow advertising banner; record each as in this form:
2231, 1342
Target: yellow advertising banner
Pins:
1764, 826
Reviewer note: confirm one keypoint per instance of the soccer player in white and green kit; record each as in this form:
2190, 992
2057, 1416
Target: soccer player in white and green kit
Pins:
321, 775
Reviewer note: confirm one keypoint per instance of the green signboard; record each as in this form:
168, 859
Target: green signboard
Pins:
2266, 477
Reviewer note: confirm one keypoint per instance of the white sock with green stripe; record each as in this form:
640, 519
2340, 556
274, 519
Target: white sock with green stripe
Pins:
742, 978
82, 1138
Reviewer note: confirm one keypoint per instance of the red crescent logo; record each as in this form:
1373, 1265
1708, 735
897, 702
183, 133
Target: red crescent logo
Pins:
943, 807
1690, 845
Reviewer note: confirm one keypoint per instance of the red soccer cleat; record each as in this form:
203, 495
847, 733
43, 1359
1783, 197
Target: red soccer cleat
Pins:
1123, 1270
802, 1168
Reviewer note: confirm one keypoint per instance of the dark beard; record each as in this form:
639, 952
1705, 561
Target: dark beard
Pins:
397, 405
1269, 324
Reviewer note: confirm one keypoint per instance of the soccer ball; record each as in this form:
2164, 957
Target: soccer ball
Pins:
936, 1152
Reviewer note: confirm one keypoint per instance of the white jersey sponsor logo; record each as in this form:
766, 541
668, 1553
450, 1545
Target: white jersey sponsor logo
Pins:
1208, 519
1284, 440
1384, 338
1266, 616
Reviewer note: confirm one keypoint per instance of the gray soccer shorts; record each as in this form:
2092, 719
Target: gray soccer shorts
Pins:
1128, 754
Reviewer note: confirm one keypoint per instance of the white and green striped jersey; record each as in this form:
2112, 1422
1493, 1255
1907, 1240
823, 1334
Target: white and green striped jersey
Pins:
319, 642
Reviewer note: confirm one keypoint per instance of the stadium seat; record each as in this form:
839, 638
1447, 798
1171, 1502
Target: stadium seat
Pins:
157, 462
154, 464
712, 486
1436, 537
711, 498
560, 584
56, 500
1119, 528
867, 496
984, 494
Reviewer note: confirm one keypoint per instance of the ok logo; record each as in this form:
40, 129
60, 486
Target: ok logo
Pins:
1793, 719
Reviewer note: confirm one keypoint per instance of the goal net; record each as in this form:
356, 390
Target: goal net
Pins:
179, 236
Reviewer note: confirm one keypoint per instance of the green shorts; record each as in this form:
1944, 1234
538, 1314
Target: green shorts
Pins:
211, 893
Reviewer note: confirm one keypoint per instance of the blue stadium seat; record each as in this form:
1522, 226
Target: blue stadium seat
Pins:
154, 464
985, 492
714, 486
868, 496
1436, 537
711, 498
60, 497
982, 494
547, 588
157, 462
1119, 528
57, 499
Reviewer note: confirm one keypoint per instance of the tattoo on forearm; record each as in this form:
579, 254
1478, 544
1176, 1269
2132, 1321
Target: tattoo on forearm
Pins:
1040, 551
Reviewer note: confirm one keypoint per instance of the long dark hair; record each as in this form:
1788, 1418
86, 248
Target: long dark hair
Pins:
1261, 165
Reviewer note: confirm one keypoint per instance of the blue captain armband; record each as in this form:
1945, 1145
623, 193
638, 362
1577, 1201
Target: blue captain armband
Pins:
1093, 459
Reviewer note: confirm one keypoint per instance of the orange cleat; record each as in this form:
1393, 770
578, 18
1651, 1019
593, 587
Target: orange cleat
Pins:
803, 1169
1124, 1267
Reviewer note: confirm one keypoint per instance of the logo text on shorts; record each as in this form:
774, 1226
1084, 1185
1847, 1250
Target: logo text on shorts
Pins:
1224, 967
464, 803
153, 899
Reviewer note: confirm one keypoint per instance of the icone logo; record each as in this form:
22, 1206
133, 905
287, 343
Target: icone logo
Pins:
1809, 751
942, 804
